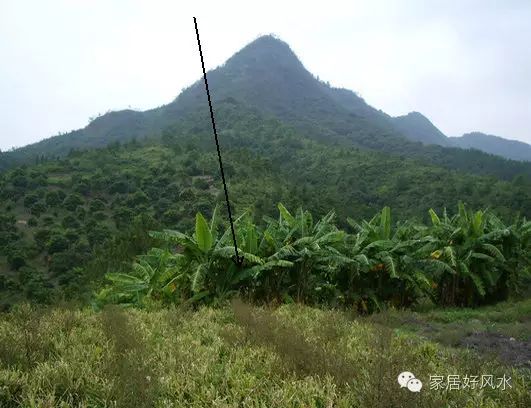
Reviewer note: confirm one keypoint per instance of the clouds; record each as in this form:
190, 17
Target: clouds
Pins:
466, 65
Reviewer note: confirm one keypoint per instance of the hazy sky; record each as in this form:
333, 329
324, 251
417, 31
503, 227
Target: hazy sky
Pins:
466, 65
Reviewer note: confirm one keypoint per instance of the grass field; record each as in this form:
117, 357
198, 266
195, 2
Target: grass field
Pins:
243, 356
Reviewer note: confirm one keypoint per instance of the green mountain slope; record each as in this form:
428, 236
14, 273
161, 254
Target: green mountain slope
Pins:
92, 209
266, 74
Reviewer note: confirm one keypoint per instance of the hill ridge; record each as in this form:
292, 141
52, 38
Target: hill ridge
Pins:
268, 75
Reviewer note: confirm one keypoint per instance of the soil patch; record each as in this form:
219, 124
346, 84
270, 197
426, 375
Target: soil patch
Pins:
509, 350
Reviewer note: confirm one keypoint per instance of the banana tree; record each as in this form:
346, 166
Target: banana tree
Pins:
392, 271
301, 256
207, 269
515, 243
145, 281
467, 246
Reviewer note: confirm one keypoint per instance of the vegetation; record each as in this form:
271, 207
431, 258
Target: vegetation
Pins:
60, 218
469, 259
267, 76
242, 356
131, 231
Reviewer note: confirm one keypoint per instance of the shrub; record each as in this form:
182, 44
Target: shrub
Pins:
72, 201
42, 236
57, 243
70, 221
16, 258
54, 198
30, 199
201, 184
97, 205
37, 208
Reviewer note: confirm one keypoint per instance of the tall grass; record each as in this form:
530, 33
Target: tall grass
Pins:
128, 366
293, 356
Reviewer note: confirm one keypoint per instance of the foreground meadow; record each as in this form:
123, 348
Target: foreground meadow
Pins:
245, 356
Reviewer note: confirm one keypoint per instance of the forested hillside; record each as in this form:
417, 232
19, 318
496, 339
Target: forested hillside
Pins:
66, 222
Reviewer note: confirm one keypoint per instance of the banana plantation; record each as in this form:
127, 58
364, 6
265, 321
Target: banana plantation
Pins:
468, 259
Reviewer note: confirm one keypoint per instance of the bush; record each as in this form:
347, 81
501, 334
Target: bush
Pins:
5, 239
80, 213
123, 216
72, 201
30, 199
98, 234
57, 243
25, 274
97, 205
20, 181
38, 208
137, 199
63, 261
16, 258
99, 216
201, 184
70, 221
82, 187
41, 236
171, 217
120, 187
48, 220
54, 198
72, 236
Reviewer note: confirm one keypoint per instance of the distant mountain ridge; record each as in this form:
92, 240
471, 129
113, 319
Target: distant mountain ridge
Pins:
416, 126
267, 75
511, 149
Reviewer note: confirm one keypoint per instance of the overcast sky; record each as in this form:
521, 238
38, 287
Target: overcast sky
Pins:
466, 65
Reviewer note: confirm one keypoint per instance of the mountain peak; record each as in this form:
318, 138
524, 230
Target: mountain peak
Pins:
267, 40
267, 51
418, 115
416, 126
269, 43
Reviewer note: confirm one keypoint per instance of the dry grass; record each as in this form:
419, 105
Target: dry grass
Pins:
132, 386
244, 356
298, 354
24, 341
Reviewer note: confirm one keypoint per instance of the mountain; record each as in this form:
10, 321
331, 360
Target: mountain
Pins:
286, 137
416, 126
267, 75
511, 149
